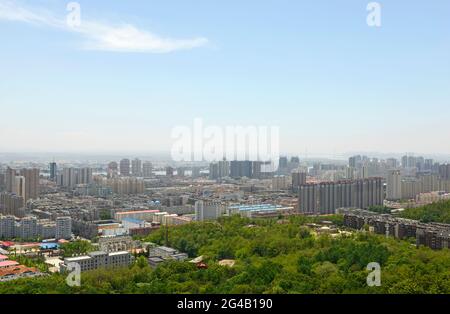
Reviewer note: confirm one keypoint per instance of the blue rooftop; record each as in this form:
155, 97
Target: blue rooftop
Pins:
256, 207
134, 221
49, 246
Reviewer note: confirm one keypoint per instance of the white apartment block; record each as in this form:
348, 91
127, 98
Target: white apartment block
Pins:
63, 228
99, 259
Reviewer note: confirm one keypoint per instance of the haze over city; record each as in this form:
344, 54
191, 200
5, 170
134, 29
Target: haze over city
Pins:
124, 79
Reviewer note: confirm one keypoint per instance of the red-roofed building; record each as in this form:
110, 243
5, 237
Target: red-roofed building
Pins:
16, 272
3, 258
6, 244
6, 264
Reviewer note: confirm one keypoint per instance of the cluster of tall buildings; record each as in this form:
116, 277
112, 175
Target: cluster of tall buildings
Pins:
71, 177
405, 178
12, 204
23, 183
298, 179
251, 169
237, 169
327, 197
285, 165
30, 228
123, 185
127, 168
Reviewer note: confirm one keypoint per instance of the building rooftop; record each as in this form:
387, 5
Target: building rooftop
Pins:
8, 264
259, 207
138, 212
97, 253
119, 253
77, 258
134, 221
18, 270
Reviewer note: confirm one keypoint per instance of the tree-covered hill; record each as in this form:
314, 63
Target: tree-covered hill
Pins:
436, 212
271, 257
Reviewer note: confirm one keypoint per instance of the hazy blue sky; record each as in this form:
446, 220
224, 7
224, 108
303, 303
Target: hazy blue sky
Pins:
135, 69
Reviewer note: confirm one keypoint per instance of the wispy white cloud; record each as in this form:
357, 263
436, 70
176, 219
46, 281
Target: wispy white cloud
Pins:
99, 35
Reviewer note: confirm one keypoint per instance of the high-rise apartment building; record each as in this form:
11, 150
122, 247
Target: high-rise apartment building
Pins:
19, 187
27, 228
84, 176
69, 177
136, 167
11, 204
7, 226
10, 175
241, 168
113, 169
279, 183
298, 179
444, 171
53, 171
326, 197
147, 169
169, 171
214, 171
125, 167
392, 163
283, 165
256, 169
63, 228
219, 169
31, 183
394, 185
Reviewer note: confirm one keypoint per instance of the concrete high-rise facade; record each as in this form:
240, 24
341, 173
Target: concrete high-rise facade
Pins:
298, 179
394, 185
125, 167
219, 169
241, 168
147, 168
326, 197
27, 228
279, 183
53, 171
113, 169
31, 183
10, 181
19, 187
214, 171
84, 176
224, 168
208, 210
69, 177
63, 228
11, 204
7, 226
136, 167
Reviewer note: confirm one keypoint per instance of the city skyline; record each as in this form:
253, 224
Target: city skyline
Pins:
133, 72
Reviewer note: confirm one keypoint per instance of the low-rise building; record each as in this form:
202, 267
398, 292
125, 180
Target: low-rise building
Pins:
99, 259
160, 254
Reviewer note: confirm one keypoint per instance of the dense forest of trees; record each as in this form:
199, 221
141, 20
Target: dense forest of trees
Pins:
271, 256
436, 212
